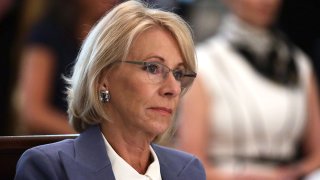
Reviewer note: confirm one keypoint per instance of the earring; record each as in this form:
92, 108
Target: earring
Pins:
104, 96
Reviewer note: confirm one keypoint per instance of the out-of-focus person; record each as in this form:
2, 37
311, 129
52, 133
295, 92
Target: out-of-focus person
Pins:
130, 74
50, 50
255, 101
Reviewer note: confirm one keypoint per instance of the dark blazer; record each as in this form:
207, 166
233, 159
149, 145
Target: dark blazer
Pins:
86, 158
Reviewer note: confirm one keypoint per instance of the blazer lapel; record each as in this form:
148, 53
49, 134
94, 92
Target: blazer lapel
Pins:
90, 159
168, 172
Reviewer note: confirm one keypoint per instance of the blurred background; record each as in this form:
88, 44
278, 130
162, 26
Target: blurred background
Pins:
25, 25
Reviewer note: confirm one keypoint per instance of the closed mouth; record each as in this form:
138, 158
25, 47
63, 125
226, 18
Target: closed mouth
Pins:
162, 110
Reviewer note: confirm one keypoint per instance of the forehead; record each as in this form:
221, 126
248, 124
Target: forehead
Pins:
153, 35
155, 41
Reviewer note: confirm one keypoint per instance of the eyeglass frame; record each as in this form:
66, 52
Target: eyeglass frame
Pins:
186, 73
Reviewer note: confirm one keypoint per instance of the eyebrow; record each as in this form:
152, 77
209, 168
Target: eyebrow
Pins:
163, 60
156, 57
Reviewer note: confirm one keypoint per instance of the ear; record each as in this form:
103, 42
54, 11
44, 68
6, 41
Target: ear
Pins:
103, 81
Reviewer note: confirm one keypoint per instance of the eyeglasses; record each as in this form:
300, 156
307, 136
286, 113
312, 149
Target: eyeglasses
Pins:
158, 72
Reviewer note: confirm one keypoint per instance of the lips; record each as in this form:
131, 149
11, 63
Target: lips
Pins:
162, 110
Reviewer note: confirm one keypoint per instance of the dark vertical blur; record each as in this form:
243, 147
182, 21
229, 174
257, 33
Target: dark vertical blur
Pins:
300, 21
10, 16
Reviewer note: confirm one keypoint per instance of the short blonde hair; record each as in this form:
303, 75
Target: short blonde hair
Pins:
109, 41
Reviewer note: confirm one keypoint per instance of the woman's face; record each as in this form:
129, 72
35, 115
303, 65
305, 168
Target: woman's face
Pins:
261, 13
137, 103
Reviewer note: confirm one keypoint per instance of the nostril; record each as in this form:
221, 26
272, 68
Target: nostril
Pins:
168, 94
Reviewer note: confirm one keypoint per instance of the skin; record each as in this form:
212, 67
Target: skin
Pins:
196, 141
36, 78
39, 116
141, 110
259, 13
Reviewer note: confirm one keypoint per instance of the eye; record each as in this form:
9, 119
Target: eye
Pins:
178, 74
152, 68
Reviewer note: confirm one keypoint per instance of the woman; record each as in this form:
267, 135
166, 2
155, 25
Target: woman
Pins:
256, 101
50, 50
129, 76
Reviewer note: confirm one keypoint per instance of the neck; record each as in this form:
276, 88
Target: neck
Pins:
237, 31
133, 148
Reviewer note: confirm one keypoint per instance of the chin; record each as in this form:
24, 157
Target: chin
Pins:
160, 129
158, 125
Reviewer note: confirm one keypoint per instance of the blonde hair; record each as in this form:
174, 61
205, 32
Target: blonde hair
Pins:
109, 41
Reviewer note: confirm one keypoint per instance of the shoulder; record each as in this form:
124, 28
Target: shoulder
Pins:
213, 52
186, 165
304, 65
169, 152
302, 58
43, 161
51, 150
213, 45
215, 55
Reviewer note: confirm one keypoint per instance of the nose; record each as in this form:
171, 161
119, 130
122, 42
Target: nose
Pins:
170, 86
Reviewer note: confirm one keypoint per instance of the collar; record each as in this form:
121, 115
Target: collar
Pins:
122, 170
90, 159
237, 31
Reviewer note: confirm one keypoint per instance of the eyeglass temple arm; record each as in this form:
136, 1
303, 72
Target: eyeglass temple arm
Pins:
191, 75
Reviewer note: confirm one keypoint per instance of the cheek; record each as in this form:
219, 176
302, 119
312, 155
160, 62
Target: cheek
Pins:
137, 87
133, 90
